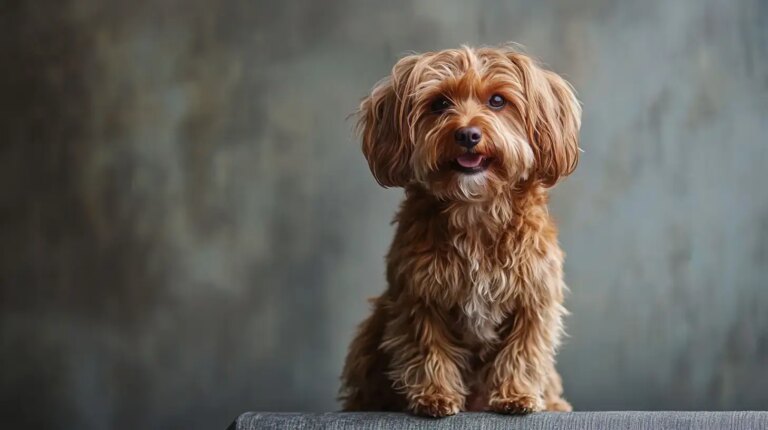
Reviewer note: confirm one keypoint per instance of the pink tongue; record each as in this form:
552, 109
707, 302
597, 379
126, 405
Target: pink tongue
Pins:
469, 160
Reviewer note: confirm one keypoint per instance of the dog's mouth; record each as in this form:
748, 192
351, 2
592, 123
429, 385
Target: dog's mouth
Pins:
471, 163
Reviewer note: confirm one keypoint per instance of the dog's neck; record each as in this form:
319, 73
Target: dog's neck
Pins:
504, 211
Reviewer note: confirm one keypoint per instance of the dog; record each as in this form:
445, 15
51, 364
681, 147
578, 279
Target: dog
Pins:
472, 315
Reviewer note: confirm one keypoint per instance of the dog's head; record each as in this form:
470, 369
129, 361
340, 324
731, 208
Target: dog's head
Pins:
468, 123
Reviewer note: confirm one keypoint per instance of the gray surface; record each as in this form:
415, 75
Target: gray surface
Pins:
188, 229
541, 421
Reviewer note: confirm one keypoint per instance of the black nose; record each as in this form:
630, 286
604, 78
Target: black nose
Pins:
468, 137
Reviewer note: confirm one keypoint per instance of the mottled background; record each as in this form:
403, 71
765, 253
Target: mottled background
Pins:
189, 229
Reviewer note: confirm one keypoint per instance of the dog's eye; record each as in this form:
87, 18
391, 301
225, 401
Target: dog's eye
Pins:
496, 101
440, 105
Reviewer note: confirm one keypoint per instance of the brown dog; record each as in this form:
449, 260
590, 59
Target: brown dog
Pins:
472, 316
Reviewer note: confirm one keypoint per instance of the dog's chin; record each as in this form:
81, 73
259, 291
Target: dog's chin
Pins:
464, 180
473, 187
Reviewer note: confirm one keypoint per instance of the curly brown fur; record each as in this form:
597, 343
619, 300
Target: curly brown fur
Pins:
472, 315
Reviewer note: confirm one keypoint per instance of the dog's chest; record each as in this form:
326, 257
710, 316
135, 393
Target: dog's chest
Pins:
487, 287
482, 313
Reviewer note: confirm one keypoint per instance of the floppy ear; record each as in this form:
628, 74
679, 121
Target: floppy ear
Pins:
384, 127
553, 121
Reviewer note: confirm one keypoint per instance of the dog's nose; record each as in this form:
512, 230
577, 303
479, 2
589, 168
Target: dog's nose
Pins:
468, 137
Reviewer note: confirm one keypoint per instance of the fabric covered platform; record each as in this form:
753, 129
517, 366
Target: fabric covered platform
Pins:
487, 421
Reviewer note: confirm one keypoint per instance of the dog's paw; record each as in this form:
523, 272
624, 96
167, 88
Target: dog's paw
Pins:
516, 404
436, 406
558, 404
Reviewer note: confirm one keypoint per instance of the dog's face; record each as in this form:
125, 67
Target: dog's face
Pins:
468, 123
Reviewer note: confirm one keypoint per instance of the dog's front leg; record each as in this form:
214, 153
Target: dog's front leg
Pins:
426, 361
518, 374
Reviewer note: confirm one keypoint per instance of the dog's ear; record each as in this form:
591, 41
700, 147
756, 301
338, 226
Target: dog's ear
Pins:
553, 121
383, 125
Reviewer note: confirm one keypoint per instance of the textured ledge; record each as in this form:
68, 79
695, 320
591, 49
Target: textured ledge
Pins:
540, 421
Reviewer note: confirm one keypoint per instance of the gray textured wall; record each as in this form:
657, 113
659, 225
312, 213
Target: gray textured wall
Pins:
189, 230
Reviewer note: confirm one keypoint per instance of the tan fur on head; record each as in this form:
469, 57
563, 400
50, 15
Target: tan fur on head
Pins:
553, 120
383, 125
472, 315
403, 142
